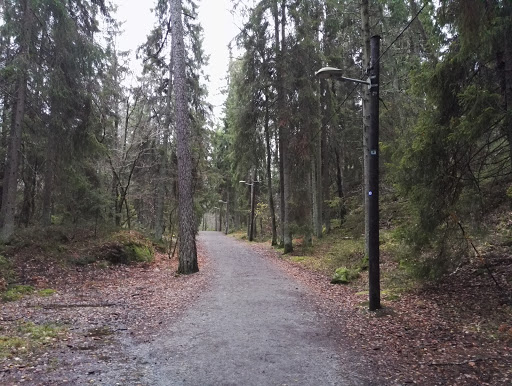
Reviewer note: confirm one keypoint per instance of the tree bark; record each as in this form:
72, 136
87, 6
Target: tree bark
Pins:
280, 107
505, 70
187, 224
365, 23
46, 219
10, 182
325, 181
317, 188
283, 137
339, 185
269, 174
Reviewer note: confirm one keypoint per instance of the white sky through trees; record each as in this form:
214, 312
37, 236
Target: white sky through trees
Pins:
219, 29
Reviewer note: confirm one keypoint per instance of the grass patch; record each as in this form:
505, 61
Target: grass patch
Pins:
16, 292
44, 293
331, 252
28, 337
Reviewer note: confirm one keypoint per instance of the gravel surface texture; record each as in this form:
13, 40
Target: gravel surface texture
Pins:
255, 326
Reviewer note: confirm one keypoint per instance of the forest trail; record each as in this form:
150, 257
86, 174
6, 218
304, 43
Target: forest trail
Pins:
255, 326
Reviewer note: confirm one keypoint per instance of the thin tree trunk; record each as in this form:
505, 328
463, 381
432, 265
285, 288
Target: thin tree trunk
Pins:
187, 224
160, 195
325, 181
29, 183
284, 140
365, 22
317, 188
10, 182
339, 184
269, 174
310, 191
280, 107
46, 218
3, 140
314, 195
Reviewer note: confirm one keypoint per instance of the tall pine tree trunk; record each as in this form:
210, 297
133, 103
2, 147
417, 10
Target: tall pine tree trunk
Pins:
187, 224
284, 136
10, 182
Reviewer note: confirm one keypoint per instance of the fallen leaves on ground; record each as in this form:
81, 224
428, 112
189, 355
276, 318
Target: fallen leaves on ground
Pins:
96, 309
456, 332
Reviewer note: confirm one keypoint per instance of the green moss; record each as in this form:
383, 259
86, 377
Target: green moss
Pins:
16, 292
127, 248
140, 253
364, 264
39, 332
344, 275
46, 292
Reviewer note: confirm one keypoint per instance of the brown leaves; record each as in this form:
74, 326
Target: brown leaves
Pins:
99, 307
451, 333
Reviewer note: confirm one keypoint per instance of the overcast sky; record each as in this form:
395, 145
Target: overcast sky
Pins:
219, 30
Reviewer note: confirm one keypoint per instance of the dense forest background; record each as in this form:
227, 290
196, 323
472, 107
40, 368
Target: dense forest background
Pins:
79, 148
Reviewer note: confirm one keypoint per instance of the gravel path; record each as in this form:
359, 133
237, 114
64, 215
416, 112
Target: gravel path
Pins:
255, 326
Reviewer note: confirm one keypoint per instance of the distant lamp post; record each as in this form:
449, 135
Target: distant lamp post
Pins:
227, 217
251, 226
216, 209
373, 166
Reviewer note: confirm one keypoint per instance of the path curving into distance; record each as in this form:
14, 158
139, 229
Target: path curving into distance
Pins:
254, 326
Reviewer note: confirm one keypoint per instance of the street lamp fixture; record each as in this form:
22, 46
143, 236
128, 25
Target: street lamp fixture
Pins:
372, 178
336, 73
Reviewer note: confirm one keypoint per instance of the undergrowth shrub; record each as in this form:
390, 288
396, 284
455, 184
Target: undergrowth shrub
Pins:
127, 248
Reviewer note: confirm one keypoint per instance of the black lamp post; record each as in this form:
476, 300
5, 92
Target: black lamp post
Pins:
372, 208
253, 204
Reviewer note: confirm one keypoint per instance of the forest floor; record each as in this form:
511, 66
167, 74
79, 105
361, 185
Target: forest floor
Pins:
457, 331
74, 327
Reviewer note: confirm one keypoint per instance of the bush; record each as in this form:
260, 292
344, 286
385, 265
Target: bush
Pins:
127, 248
